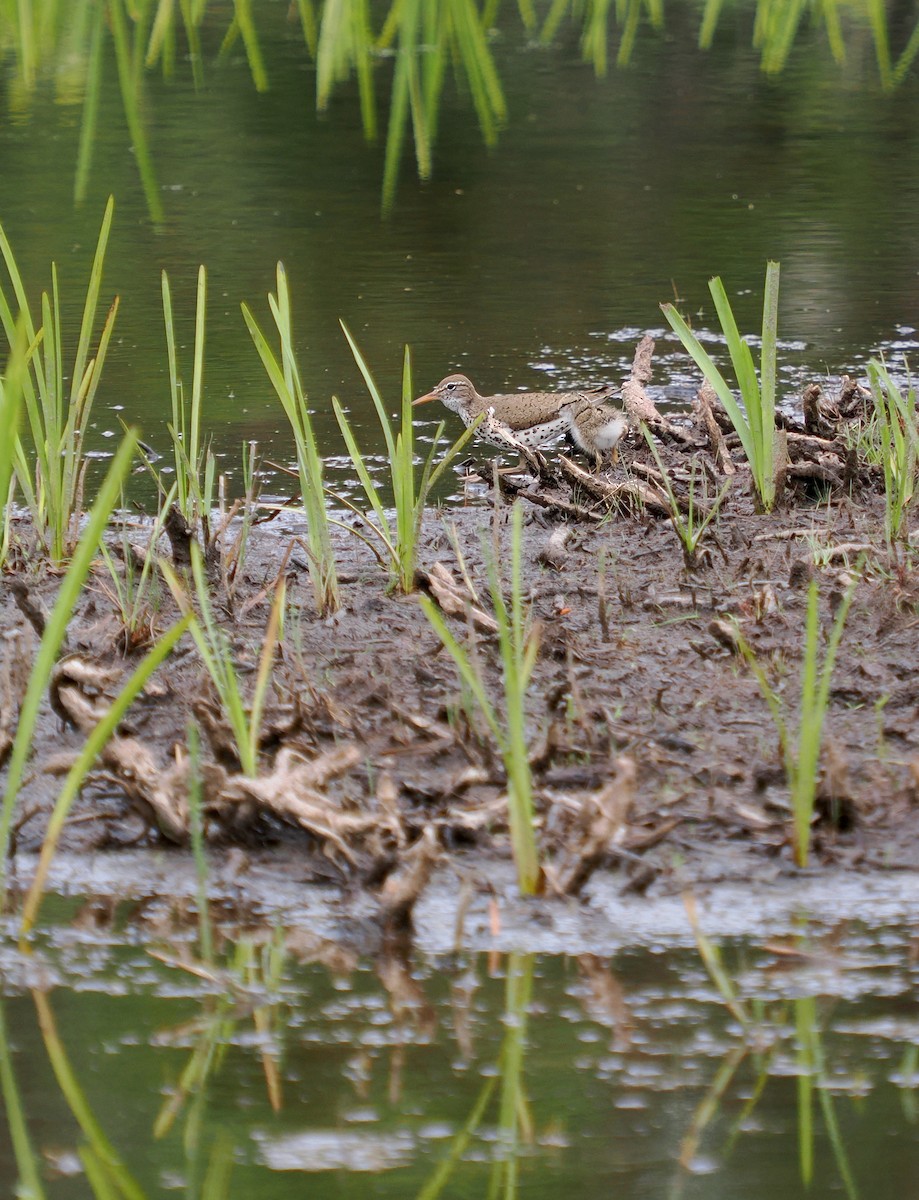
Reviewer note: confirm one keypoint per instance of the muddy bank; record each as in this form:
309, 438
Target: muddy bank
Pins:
639, 702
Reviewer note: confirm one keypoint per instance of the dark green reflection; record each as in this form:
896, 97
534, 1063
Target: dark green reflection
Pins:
425, 41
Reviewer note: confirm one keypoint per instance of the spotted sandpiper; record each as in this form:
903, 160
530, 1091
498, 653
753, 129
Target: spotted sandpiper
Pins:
535, 418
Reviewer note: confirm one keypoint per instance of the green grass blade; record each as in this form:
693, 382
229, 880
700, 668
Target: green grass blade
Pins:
55, 632
378, 404
92, 300
468, 672
95, 743
29, 1184
370, 489
705, 364
128, 1188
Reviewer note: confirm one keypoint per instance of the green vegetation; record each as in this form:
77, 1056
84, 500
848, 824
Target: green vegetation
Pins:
411, 492
688, 526
899, 442
86, 760
55, 633
216, 652
194, 463
285, 378
422, 39
801, 754
755, 422
518, 641
764, 1027
52, 474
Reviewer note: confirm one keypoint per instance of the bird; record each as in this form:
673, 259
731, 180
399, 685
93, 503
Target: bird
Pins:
532, 419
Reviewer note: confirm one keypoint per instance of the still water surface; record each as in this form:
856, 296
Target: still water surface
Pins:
309, 1071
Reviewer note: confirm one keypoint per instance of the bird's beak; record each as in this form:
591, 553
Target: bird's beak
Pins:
425, 399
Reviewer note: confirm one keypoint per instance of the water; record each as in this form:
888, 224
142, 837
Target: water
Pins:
534, 263
306, 1070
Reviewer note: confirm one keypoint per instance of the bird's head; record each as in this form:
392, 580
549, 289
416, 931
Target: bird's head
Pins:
453, 392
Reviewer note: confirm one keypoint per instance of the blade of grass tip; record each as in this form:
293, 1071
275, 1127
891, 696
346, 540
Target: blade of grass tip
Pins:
331, 29
56, 631
830, 12
709, 24
194, 432
95, 743
769, 694
553, 20
741, 357
163, 27
905, 61
767, 372
378, 404
127, 1187
409, 48
308, 25
92, 299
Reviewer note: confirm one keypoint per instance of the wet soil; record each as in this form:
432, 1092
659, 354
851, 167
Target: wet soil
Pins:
643, 715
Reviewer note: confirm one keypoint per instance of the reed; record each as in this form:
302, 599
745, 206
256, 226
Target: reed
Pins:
409, 490
56, 416
899, 444
195, 468
518, 641
801, 752
285, 378
134, 590
10, 412
755, 421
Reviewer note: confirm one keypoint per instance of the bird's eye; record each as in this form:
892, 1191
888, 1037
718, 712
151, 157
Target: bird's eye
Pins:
450, 387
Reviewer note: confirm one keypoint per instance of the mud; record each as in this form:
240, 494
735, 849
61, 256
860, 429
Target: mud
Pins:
656, 762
